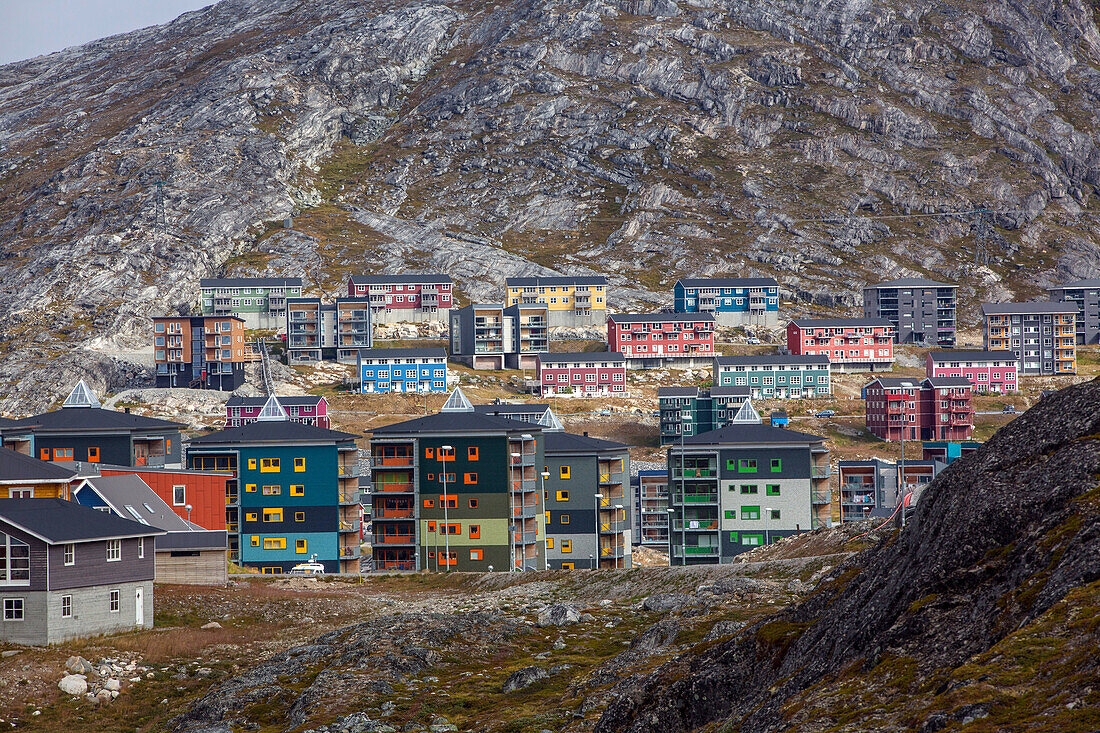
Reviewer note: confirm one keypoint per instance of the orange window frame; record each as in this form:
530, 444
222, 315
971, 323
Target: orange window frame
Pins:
429, 452
475, 531
93, 454
472, 453
473, 503
431, 526
452, 529
429, 503
469, 478
477, 554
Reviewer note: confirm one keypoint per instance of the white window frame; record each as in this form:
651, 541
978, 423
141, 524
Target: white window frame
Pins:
114, 600
14, 609
114, 550
179, 499
66, 606
70, 554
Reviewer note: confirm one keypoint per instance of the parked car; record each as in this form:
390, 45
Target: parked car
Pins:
1009, 409
605, 412
308, 568
754, 341
825, 413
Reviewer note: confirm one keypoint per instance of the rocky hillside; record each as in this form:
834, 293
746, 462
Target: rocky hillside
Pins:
984, 610
828, 144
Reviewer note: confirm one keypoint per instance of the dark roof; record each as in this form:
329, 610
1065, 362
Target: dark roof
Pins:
973, 356
1038, 306
57, 521
91, 418
5, 421
406, 279
1089, 283
728, 282
570, 443
519, 408
155, 469
948, 381
725, 390
426, 353
582, 356
658, 317
751, 433
554, 280
129, 490
770, 359
677, 392
296, 401
914, 382
273, 431
840, 322
250, 282
451, 422
719, 391
911, 282
18, 467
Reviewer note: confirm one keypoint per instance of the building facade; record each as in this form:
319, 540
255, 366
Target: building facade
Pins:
570, 300
743, 486
1041, 336
1085, 296
204, 492
415, 298
584, 374
651, 508
656, 340
317, 331
259, 301
294, 495
26, 477
947, 452
688, 411
988, 371
745, 301
495, 336
588, 503
851, 344
775, 376
306, 409
402, 370
935, 408
872, 488
201, 352
922, 310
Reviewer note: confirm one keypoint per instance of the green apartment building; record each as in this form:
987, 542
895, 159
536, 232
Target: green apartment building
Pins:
775, 376
259, 301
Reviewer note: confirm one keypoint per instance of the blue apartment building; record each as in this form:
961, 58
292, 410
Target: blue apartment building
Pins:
742, 301
402, 370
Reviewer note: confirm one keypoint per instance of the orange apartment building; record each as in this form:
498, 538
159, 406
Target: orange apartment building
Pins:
1041, 335
201, 352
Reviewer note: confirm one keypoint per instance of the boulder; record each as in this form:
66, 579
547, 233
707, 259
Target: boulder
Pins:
559, 614
112, 684
79, 665
73, 684
723, 628
665, 602
660, 634
211, 625
523, 678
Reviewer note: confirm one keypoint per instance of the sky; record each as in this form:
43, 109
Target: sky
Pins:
34, 27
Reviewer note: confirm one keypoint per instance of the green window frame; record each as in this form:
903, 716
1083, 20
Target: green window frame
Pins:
751, 540
731, 514
771, 489
775, 514
777, 465
750, 489
750, 512
734, 539
746, 465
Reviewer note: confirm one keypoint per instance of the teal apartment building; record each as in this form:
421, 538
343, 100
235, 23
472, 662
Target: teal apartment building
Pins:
775, 376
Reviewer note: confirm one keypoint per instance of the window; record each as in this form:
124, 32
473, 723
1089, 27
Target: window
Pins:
777, 465
62, 454
273, 515
473, 503
93, 454
733, 538
476, 554
775, 514
567, 545
250, 487
255, 540
475, 531
179, 495
562, 496
564, 519
300, 547
269, 465
567, 566
70, 554
114, 600
469, 478
549, 543
299, 516
752, 540
252, 464
114, 550
273, 490
297, 490
66, 606
772, 490
749, 489
141, 547
450, 499
251, 517
471, 453
750, 512
746, 465
13, 609
564, 472
15, 561
431, 526
429, 503
274, 543
429, 452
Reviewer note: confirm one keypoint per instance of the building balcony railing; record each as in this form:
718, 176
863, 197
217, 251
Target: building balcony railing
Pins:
384, 513
611, 478
393, 539
821, 471
231, 499
350, 526
822, 497
231, 527
526, 511
696, 473
524, 538
710, 551
614, 527
391, 460
349, 497
697, 498
616, 551
348, 552
347, 470
695, 525
396, 487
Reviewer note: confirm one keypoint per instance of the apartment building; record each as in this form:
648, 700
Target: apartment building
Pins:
306, 409
294, 495
922, 310
409, 298
872, 488
458, 490
402, 370
655, 340
742, 486
259, 301
775, 376
495, 336
988, 371
317, 331
570, 300
690, 410
588, 503
1041, 336
651, 508
935, 408
201, 352
742, 301
948, 452
1085, 296
584, 374
852, 344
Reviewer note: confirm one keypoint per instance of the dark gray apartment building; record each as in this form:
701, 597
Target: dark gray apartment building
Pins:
922, 311
1040, 335
1085, 294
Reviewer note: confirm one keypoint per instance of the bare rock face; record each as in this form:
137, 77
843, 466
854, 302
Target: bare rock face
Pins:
643, 139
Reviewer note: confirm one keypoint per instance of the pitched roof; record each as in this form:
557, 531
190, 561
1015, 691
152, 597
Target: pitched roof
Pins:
423, 353
604, 356
405, 279
659, 317
750, 433
896, 382
554, 280
275, 431
728, 282
128, 492
770, 359
1037, 306
570, 443
91, 418
947, 381
1088, 283
57, 521
718, 391
250, 282
18, 467
457, 422
839, 322
295, 401
938, 356
911, 282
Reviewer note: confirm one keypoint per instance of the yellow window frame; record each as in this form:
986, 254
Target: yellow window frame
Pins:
297, 490
273, 515
269, 465
299, 465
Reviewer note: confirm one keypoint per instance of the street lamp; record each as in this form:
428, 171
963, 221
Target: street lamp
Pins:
597, 497
542, 492
446, 530
767, 532
189, 527
671, 514
512, 507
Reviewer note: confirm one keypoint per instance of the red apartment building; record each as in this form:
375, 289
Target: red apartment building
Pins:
937, 408
306, 409
852, 344
405, 298
204, 491
989, 371
651, 340
586, 374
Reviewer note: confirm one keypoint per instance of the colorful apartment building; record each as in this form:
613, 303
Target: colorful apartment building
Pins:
201, 352
295, 492
495, 336
588, 502
259, 301
922, 310
1041, 336
83, 431
306, 409
656, 340
935, 408
852, 344
582, 374
872, 488
458, 490
651, 508
688, 411
573, 301
742, 301
402, 370
26, 477
775, 376
408, 298
742, 486
1085, 296
317, 331
989, 371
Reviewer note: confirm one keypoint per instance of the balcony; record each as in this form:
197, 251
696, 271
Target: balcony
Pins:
349, 497
352, 526
383, 513
711, 551
391, 460
697, 473
393, 539
611, 478
697, 498
348, 552
348, 470
524, 538
822, 497
615, 527
616, 552
527, 511
821, 471
695, 525
397, 487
